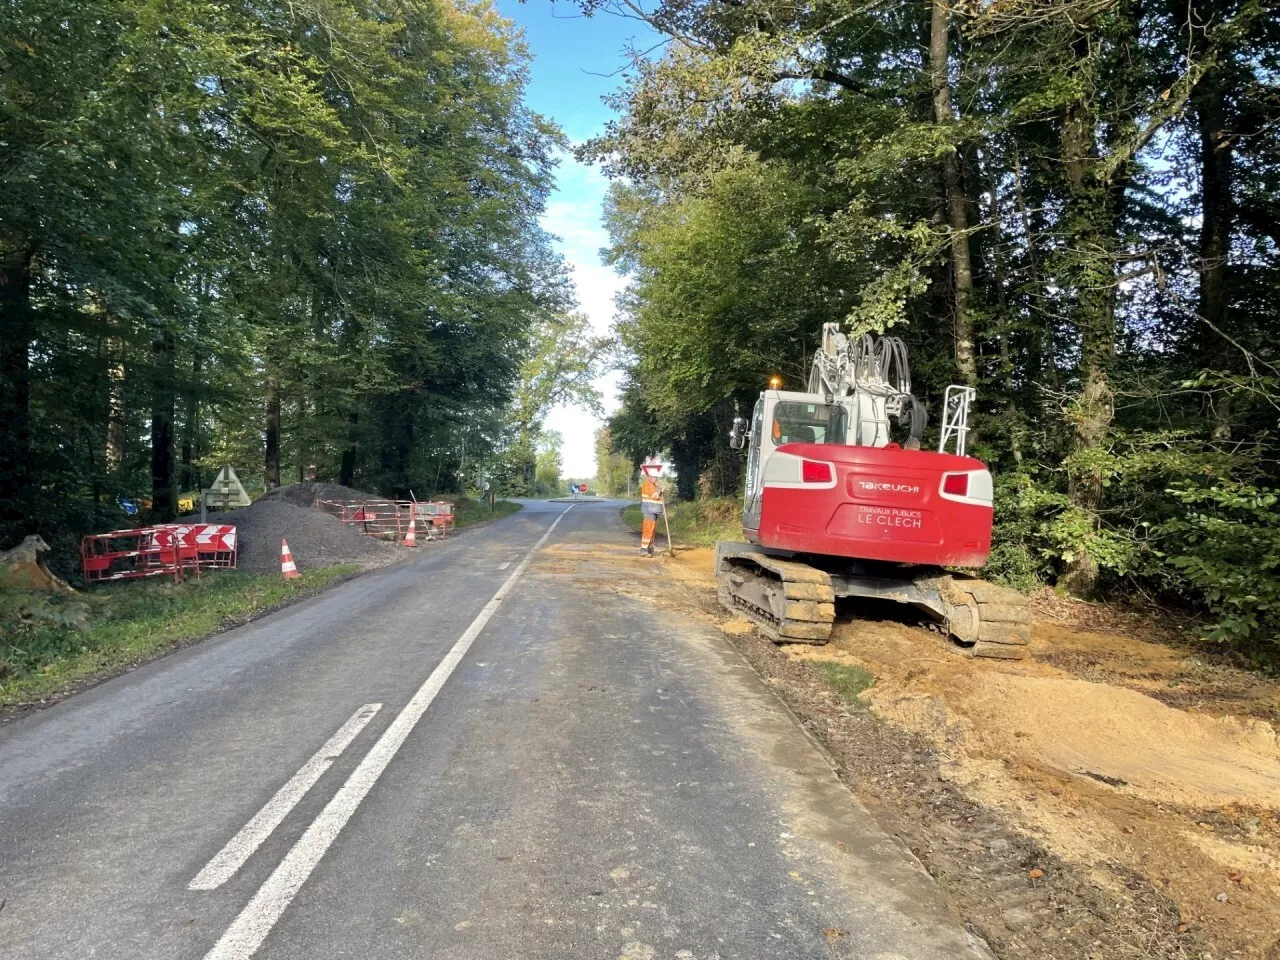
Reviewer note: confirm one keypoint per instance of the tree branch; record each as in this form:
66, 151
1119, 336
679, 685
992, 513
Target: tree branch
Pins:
823, 74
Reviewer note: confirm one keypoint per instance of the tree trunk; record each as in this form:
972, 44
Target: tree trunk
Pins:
1013, 417
1216, 227
957, 202
1091, 238
191, 479
115, 398
164, 493
1045, 351
688, 466
17, 330
347, 474
272, 471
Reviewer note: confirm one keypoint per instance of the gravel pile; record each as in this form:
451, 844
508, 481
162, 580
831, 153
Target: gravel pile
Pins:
315, 539
306, 494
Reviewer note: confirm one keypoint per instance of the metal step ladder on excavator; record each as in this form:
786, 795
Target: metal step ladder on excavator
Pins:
834, 507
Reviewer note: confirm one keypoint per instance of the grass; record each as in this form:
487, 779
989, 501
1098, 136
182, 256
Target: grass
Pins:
48, 644
468, 511
846, 679
698, 523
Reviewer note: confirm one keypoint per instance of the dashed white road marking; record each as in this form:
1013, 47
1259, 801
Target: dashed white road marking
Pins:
504, 564
246, 933
240, 847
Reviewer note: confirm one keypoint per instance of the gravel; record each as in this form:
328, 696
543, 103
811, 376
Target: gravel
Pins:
315, 539
306, 494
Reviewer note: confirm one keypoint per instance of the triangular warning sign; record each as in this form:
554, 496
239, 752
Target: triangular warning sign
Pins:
227, 491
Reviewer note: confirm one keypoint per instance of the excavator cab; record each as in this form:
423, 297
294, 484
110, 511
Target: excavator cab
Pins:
791, 418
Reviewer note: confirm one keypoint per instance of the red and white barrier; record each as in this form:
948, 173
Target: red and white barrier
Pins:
390, 519
163, 550
214, 544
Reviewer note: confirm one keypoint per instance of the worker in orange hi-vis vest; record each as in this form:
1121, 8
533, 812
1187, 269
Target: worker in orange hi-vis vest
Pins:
651, 505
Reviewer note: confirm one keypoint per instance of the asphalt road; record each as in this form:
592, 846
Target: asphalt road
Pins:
482, 753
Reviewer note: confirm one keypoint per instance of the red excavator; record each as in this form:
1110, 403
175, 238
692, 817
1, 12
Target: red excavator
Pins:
835, 507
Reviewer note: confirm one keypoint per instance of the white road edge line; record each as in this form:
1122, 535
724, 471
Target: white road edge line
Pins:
240, 847
246, 933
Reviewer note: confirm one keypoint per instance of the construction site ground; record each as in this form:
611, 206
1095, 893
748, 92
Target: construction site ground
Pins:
1115, 795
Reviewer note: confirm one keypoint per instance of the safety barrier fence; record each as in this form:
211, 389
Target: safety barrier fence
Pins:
162, 550
389, 519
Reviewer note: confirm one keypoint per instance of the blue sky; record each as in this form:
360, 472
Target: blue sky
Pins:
576, 61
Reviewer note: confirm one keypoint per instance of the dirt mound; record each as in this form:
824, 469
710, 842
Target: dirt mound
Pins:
1109, 749
1129, 740
306, 494
315, 539
1044, 716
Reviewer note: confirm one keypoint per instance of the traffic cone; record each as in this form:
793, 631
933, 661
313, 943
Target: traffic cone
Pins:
288, 569
410, 538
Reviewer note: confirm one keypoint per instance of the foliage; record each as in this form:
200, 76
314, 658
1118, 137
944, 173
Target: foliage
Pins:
1117, 174
614, 472
1226, 546
548, 482
282, 236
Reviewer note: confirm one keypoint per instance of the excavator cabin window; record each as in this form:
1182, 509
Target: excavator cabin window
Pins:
796, 422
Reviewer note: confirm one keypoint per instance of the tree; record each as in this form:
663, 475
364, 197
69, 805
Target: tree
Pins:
548, 482
273, 235
614, 472
1071, 206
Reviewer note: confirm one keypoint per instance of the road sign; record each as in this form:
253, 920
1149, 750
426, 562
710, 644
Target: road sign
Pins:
227, 491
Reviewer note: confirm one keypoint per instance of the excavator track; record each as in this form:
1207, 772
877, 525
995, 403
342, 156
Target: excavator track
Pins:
789, 602
985, 619
794, 602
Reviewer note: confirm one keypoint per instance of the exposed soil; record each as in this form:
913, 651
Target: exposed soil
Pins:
1116, 795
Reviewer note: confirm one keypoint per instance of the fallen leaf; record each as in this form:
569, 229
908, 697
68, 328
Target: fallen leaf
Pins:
1035, 873
834, 933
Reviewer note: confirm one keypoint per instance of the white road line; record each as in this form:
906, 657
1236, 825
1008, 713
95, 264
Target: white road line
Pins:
255, 921
504, 564
240, 847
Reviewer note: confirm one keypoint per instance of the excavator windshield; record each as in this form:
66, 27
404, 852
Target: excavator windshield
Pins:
797, 422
